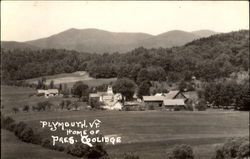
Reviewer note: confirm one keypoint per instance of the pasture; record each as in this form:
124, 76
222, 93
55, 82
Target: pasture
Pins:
71, 78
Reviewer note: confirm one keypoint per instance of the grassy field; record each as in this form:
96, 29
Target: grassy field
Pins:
12, 96
71, 78
152, 133
147, 133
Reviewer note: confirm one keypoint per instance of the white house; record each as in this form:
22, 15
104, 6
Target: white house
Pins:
48, 93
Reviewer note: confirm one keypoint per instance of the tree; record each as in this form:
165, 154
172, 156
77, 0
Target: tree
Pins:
44, 105
80, 89
60, 87
26, 108
144, 89
182, 86
202, 105
126, 87
181, 152
51, 85
143, 75
15, 109
75, 104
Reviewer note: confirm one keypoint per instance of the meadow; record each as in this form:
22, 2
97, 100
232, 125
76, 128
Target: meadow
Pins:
71, 78
147, 133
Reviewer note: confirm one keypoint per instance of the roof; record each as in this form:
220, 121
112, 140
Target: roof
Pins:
52, 91
191, 94
173, 102
153, 98
159, 94
171, 94
93, 95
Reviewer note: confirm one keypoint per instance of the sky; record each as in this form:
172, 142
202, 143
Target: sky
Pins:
29, 20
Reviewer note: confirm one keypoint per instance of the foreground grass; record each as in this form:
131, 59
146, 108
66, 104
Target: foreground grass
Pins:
151, 133
13, 148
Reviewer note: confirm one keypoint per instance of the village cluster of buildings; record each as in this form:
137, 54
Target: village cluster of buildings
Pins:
173, 100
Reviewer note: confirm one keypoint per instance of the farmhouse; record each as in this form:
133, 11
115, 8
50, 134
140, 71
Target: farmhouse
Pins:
157, 101
48, 93
174, 104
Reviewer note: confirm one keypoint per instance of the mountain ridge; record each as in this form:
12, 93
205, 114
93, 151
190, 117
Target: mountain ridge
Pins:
101, 41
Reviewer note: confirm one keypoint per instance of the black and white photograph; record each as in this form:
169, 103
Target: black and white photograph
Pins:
125, 80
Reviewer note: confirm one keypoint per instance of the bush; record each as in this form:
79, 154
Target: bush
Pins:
19, 128
181, 152
177, 108
233, 148
47, 144
6, 121
82, 150
130, 155
11, 127
27, 134
151, 107
59, 148
189, 105
44, 105
15, 110
36, 139
78, 149
202, 105
96, 151
244, 150
26, 108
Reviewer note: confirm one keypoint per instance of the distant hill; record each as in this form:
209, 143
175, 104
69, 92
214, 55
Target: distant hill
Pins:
100, 41
169, 39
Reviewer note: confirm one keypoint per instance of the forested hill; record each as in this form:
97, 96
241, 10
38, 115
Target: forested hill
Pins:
208, 58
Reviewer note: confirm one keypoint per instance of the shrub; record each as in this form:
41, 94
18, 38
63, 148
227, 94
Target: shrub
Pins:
130, 155
244, 150
27, 134
202, 105
233, 148
36, 139
189, 105
151, 107
19, 128
11, 127
78, 149
15, 110
46, 143
177, 108
96, 151
181, 152
26, 108
59, 148
6, 121
44, 105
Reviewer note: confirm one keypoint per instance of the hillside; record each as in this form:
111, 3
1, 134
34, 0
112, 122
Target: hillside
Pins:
10, 45
210, 58
204, 33
169, 39
100, 41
